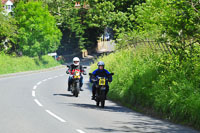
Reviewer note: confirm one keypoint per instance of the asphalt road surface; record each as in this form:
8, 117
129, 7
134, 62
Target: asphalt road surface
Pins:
40, 103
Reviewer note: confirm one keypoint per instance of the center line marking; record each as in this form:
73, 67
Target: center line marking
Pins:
44, 80
52, 114
80, 131
38, 103
33, 93
39, 83
34, 87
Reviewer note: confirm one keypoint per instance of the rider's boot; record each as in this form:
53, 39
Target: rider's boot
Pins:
106, 94
93, 95
69, 88
81, 84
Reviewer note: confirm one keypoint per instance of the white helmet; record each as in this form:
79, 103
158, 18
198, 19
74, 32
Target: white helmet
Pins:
76, 61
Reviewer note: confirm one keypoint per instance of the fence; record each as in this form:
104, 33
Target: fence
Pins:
165, 47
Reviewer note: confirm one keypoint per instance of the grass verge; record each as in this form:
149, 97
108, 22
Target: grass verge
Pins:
11, 64
156, 84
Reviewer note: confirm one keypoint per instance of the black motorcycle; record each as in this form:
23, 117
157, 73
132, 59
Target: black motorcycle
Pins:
75, 86
100, 82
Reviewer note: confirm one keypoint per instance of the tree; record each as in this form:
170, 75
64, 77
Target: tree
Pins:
7, 32
116, 14
89, 24
71, 22
174, 21
38, 33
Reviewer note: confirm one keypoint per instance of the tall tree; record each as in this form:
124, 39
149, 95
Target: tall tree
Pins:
177, 21
38, 33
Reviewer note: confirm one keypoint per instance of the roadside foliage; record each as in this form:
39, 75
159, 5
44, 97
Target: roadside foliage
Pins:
165, 84
156, 83
12, 64
37, 33
7, 32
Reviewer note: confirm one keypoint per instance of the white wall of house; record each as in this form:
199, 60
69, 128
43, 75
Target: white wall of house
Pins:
8, 6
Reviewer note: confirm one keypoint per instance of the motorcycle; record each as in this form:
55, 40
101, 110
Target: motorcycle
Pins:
75, 85
100, 82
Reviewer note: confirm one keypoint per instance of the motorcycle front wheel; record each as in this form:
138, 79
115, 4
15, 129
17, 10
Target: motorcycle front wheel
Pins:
103, 97
77, 89
103, 103
97, 103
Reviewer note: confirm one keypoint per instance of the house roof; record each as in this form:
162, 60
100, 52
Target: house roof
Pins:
4, 1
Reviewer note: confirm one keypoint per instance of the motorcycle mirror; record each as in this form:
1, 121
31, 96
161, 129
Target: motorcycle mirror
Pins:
84, 67
111, 73
68, 66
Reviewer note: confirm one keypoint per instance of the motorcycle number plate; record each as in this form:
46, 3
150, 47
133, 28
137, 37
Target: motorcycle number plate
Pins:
76, 77
102, 81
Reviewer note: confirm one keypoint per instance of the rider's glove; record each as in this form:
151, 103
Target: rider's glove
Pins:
67, 72
109, 79
93, 80
84, 73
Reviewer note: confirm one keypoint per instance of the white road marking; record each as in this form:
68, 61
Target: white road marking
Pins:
39, 83
34, 87
44, 80
33, 93
80, 131
38, 103
52, 114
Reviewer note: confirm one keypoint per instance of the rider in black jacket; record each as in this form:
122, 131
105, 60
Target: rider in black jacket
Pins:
75, 66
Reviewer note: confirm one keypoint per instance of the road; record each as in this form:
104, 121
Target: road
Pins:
40, 103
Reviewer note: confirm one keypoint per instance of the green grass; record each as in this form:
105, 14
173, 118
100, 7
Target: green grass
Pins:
156, 82
11, 64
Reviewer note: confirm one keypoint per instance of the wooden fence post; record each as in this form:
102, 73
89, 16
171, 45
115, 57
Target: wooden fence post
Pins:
160, 47
168, 48
149, 44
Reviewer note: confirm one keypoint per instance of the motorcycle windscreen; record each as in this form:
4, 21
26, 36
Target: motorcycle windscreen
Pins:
102, 81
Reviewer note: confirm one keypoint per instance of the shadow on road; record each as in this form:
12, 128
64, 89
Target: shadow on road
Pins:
65, 95
142, 126
106, 108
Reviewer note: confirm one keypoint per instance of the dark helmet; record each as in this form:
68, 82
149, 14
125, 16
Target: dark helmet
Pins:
100, 63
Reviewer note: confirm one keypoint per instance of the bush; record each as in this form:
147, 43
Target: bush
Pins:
162, 83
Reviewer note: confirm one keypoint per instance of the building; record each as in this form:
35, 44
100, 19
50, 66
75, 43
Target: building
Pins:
78, 5
7, 5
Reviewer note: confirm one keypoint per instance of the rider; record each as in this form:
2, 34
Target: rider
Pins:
71, 70
100, 72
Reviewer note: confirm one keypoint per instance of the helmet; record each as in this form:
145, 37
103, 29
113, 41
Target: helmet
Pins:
76, 61
100, 63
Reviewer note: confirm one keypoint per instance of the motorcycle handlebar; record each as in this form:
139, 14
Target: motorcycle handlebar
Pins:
111, 74
94, 79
